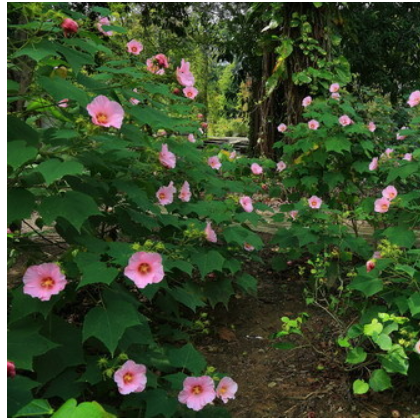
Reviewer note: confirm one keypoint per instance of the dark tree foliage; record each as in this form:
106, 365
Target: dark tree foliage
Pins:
382, 43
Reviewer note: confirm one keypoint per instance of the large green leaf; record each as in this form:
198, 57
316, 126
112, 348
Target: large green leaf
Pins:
208, 262
93, 270
19, 153
36, 408
73, 206
20, 204
187, 357
61, 89
85, 410
19, 394
219, 291
109, 322
190, 294
380, 380
54, 169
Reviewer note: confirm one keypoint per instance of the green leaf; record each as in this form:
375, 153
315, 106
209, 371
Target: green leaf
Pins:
19, 393
20, 204
61, 89
187, 357
85, 410
118, 29
24, 343
374, 328
383, 341
337, 144
93, 270
396, 361
247, 283
73, 206
284, 346
159, 404
108, 323
356, 356
367, 285
219, 291
189, 294
414, 303
36, 408
76, 59
380, 380
360, 387
208, 262
400, 235
55, 169
19, 153
38, 51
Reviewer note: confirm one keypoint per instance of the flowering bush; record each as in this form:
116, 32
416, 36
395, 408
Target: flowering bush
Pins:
97, 155
347, 170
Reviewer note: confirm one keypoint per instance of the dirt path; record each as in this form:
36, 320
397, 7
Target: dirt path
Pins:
304, 382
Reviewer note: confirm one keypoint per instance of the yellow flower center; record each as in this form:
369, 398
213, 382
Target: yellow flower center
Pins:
102, 118
47, 283
384, 206
144, 268
162, 195
128, 377
314, 203
134, 49
197, 389
222, 390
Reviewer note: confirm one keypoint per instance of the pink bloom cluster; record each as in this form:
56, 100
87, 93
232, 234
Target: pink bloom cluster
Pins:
104, 21
314, 202
69, 26
134, 47
165, 195
382, 204
105, 112
210, 233
281, 166
256, 169
43, 281
345, 120
414, 98
131, 377
306, 101
199, 391
167, 158
214, 162
157, 64
371, 127
282, 128
145, 268
246, 203
313, 125
374, 164
186, 78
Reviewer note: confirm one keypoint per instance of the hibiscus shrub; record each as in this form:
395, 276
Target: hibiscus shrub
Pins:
146, 226
349, 170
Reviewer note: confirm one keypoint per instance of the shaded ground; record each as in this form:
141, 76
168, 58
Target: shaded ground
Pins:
305, 382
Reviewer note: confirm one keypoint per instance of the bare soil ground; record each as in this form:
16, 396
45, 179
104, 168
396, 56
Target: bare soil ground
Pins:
304, 382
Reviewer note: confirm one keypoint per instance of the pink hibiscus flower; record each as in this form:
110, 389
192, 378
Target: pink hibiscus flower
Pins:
134, 101
191, 138
390, 192
226, 389
293, 214
388, 152
256, 169
69, 26
246, 203
306, 101
371, 127
64, 103
210, 233
165, 195
197, 392
417, 347
345, 120
104, 21
167, 158
232, 155
281, 166
106, 113
11, 370
134, 47
184, 75
130, 377
157, 64
190, 92
374, 164
313, 125
401, 136
282, 128
43, 281
248, 247
414, 98
334, 88
382, 205
315, 202
185, 192
214, 162
408, 157
335, 95
145, 268
370, 265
